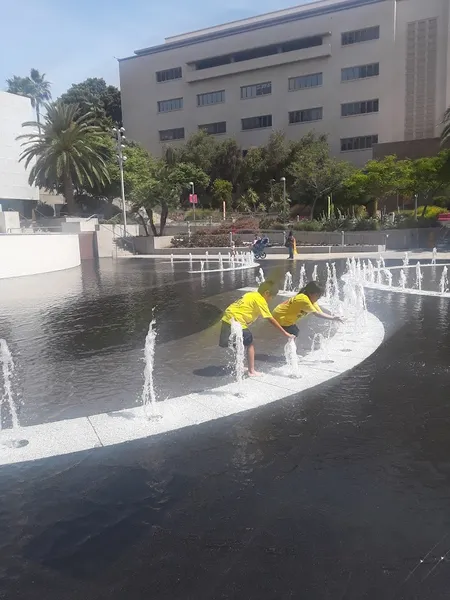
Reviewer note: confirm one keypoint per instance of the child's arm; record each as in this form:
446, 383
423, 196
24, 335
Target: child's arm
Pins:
278, 326
327, 317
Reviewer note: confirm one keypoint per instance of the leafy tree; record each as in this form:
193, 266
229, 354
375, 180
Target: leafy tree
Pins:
70, 152
428, 176
198, 150
386, 177
227, 162
445, 137
94, 96
249, 202
316, 175
35, 87
222, 191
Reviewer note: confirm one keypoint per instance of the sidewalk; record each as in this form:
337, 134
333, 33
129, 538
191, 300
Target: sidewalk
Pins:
389, 254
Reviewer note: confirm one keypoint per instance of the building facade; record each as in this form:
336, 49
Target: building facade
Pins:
15, 191
362, 71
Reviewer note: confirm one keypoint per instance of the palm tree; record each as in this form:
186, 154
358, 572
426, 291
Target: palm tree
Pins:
70, 152
34, 87
445, 137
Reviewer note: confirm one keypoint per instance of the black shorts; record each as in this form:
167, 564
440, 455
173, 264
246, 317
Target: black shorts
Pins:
225, 332
292, 329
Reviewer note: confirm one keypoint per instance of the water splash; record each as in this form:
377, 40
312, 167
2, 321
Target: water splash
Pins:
220, 262
287, 282
389, 277
171, 259
148, 391
406, 259
290, 354
236, 342
403, 280
7, 367
302, 280
314, 276
328, 283
202, 265
419, 277
443, 286
190, 260
260, 279
433, 260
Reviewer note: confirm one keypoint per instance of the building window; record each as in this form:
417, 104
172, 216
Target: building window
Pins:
167, 135
305, 115
214, 128
169, 74
170, 105
359, 108
360, 72
256, 122
305, 81
211, 98
259, 89
259, 52
364, 142
360, 35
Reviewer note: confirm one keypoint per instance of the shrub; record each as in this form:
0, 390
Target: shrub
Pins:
204, 240
308, 226
242, 224
202, 214
442, 202
366, 225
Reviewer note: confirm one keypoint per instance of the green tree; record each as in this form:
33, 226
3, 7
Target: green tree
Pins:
222, 191
385, 178
199, 150
94, 96
227, 162
35, 87
70, 152
428, 176
315, 174
445, 137
250, 202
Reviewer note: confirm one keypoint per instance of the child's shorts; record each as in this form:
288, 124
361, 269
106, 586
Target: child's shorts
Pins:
292, 329
225, 332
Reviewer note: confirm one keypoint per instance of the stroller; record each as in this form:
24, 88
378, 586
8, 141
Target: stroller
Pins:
259, 248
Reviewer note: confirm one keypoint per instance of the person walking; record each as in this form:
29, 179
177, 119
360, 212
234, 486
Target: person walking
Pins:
290, 243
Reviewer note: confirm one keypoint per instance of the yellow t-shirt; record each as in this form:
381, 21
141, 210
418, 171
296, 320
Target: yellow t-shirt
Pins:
289, 312
246, 310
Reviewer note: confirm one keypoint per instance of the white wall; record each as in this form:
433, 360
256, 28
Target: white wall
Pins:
14, 110
38, 253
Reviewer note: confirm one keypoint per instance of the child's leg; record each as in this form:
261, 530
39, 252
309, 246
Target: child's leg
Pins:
251, 359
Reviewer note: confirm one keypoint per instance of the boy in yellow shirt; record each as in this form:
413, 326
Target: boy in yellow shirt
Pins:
304, 303
245, 311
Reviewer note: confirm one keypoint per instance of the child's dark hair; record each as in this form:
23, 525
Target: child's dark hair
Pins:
312, 288
268, 286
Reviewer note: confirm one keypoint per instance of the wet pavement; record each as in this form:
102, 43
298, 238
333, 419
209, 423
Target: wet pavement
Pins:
337, 493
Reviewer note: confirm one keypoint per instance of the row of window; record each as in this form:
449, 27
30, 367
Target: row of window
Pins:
264, 89
347, 38
364, 142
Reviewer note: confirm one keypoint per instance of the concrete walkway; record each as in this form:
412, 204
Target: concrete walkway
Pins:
389, 254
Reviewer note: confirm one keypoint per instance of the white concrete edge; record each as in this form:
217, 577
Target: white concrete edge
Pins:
225, 269
399, 290
353, 342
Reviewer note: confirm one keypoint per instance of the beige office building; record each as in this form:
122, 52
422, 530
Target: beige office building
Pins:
361, 71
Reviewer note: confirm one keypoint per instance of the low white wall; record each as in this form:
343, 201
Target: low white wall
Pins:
39, 253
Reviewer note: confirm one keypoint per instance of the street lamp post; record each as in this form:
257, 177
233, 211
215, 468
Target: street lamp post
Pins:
193, 196
119, 136
416, 198
283, 181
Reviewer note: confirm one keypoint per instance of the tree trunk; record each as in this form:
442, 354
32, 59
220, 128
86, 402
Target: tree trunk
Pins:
149, 212
143, 223
38, 118
164, 214
313, 208
69, 195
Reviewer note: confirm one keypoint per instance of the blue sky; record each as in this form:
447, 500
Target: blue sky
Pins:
70, 41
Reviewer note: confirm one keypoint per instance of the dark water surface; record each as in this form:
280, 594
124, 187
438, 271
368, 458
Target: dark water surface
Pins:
336, 493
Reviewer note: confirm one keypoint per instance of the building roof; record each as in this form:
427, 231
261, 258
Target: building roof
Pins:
297, 13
